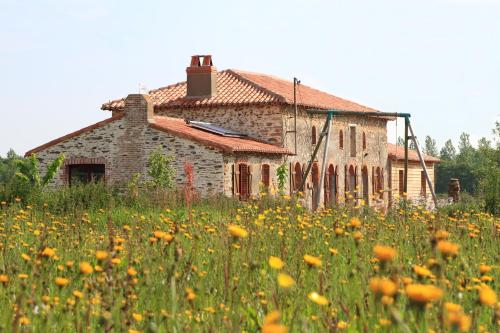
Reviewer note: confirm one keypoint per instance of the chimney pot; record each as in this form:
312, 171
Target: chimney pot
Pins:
201, 77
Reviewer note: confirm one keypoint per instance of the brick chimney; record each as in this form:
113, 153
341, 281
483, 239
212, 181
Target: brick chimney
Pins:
139, 108
201, 77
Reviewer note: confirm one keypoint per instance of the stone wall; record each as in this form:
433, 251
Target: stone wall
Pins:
260, 122
124, 146
374, 155
255, 161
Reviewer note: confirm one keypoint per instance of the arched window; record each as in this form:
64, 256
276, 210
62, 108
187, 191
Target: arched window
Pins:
341, 139
313, 135
364, 141
265, 175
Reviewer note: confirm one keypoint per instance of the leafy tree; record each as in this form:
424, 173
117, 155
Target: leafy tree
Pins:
448, 152
281, 174
160, 169
430, 146
465, 148
401, 142
28, 170
8, 167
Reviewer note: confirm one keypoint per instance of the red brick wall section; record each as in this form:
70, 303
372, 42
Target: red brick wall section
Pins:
131, 157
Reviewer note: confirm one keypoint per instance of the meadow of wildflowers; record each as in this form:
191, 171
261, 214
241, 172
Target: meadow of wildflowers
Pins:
261, 267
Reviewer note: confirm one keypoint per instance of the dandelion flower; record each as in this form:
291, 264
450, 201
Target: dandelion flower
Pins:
86, 268
131, 271
312, 261
355, 222
487, 296
275, 262
383, 286
423, 293
48, 252
272, 325
285, 280
448, 249
384, 253
422, 271
342, 325
61, 282
483, 269
317, 298
137, 317
101, 255
237, 231
4, 278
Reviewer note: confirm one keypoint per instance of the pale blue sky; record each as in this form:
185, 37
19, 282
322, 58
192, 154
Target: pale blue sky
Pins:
437, 59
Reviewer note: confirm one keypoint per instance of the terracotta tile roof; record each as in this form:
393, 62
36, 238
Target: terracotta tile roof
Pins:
72, 135
395, 152
238, 88
178, 127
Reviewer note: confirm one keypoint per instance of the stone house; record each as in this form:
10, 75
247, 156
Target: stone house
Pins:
236, 128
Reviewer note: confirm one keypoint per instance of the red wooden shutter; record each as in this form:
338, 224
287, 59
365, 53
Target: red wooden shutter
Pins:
250, 178
265, 175
243, 183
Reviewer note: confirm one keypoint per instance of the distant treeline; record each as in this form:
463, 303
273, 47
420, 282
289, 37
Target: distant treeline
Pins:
478, 169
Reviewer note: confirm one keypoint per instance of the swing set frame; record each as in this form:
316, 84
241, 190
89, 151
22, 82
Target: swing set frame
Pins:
325, 133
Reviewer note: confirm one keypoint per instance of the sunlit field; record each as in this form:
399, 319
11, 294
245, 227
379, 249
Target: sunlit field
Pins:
262, 267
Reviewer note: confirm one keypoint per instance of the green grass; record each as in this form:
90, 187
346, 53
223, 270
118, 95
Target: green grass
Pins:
234, 285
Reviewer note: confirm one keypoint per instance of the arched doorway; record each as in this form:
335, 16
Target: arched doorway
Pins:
352, 182
298, 177
315, 183
331, 189
364, 176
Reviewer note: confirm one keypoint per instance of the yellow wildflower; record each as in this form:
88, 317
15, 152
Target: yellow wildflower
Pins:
384, 253
275, 262
86, 268
487, 296
101, 255
317, 298
61, 282
448, 249
285, 280
420, 293
237, 231
312, 261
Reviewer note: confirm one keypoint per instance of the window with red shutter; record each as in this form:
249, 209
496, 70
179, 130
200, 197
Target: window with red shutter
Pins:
265, 175
313, 135
244, 181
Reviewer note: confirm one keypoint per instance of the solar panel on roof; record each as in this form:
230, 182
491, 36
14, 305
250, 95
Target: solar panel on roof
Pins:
209, 127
